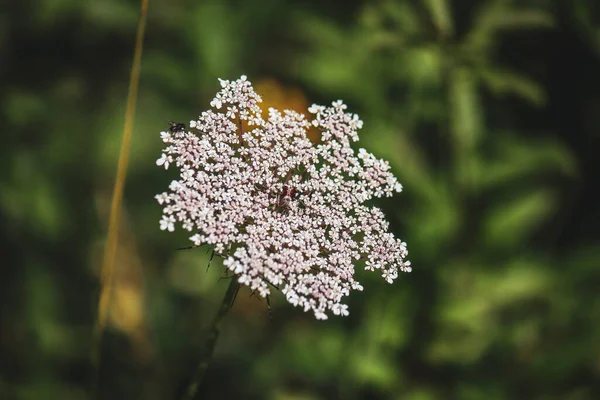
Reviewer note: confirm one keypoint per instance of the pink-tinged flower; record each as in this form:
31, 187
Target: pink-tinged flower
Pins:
283, 212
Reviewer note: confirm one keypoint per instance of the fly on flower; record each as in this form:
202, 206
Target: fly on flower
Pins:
176, 127
242, 193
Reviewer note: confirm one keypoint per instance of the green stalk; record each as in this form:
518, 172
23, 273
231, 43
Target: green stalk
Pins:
211, 341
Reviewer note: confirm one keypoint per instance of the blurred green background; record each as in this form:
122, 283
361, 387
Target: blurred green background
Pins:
488, 111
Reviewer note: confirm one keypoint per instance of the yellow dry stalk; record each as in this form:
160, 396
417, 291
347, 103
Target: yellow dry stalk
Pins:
108, 263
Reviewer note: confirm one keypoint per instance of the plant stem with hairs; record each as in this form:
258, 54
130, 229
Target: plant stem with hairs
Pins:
211, 341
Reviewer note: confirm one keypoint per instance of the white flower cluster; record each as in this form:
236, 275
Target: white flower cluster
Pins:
282, 211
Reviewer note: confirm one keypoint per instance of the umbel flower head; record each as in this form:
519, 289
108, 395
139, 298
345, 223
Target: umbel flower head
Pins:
282, 212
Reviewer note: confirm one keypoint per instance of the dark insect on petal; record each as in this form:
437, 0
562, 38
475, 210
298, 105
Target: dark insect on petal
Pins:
176, 127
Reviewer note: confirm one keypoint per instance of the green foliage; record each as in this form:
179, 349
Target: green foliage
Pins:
465, 98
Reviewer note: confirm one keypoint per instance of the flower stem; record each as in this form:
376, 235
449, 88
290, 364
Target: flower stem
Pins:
211, 341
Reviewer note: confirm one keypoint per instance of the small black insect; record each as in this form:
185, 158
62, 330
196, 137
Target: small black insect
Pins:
176, 127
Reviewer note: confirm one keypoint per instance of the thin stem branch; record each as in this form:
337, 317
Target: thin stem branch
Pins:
108, 263
211, 341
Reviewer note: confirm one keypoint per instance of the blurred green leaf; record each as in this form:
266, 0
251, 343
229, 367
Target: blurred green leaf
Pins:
512, 222
419, 394
111, 14
50, 12
589, 29
486, 390
405, 15
501, 82
22, 107
376, 370
467, 124
169, 75
424, 65
435, 220
471, 301
213, 33
31, 199
440, 13
521, 159
500, 15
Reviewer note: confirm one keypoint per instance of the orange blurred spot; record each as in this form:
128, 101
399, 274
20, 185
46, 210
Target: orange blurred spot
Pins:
281, 97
